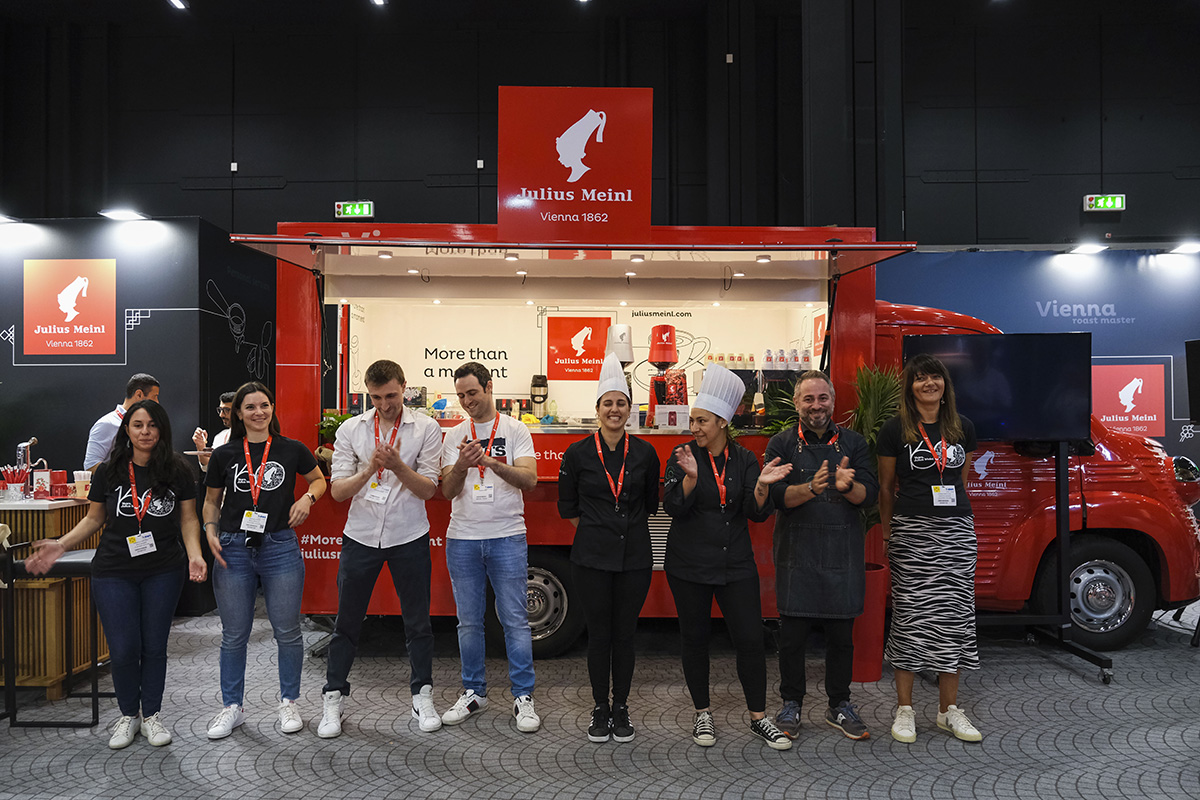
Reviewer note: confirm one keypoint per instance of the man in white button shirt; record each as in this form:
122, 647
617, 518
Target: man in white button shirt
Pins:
100, 438
388, 461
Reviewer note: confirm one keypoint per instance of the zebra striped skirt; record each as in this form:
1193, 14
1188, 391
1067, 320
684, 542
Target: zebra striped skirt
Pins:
932, 560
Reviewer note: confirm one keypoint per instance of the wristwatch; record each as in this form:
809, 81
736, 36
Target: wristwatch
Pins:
311, 496
811, 490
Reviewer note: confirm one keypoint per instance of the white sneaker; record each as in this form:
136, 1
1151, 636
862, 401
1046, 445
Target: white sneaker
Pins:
124, 732
904, 729
155, 731
331, 716
289, 717
527, 719
955, 721
225, 721
423, 711
467, 704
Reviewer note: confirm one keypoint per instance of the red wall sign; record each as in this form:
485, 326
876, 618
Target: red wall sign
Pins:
575, 347
574, 164
70, 306
1130, 398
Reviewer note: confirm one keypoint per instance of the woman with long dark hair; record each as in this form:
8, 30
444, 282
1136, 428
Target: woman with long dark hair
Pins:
713, 487
608, 489
929, 532
142, 498
252, 538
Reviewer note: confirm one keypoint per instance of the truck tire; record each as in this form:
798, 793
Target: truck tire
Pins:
555, 617
1111, 589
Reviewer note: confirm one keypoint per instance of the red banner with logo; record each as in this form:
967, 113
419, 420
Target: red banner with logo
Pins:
574, 164
70, 306
1131, 398
575, 347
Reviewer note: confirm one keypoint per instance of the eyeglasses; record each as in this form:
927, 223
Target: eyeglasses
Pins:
224, 412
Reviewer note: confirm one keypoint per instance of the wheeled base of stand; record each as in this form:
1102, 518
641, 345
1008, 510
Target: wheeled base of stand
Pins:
1059, 639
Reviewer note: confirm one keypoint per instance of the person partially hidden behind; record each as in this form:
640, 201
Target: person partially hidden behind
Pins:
200, 436
820, 570
100, 438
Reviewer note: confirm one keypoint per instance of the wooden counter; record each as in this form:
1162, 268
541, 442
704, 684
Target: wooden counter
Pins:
41, 602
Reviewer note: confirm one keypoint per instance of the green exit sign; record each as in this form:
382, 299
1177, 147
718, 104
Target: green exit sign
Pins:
354, 209
1104, 202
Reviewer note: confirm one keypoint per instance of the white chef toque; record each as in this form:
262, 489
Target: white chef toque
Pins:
612, 378
721, 392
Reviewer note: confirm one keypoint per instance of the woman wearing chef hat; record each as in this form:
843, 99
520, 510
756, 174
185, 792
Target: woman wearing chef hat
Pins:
607, 489
713, 487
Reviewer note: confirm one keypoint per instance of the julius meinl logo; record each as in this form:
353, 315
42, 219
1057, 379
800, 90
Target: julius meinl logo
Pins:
1083, 313
572, 149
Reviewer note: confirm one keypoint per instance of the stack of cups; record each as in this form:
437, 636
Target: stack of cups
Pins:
83, 482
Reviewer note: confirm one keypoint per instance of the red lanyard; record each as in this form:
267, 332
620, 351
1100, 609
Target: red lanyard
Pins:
488, 452
256, 477
720, 476
391, 439
804, 439
616, 488
139, 508
939, 462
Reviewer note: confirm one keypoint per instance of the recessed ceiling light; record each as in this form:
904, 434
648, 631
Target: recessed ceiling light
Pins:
528, 302
180, 4
637, 258
739, 274
1089, 249
122, 214
522, 272
716, 305
511, 256
630, 274
414, 271
343, 301
763, 259
624, 303
385, 253
437, 302
5, 218
1187, 248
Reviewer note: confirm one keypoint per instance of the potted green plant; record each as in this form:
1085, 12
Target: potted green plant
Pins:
331, 420
878, 401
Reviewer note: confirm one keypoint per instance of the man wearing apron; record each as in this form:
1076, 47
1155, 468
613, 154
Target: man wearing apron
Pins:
818, 548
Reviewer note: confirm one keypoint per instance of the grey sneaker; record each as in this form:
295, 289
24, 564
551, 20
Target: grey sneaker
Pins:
788, 718
845, 718
124, 732
704, 732
774, 738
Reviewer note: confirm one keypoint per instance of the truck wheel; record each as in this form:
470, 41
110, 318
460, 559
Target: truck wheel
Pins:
555, 618
1111, 591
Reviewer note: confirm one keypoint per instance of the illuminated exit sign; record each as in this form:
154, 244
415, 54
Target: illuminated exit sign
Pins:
354, 209
1104, 202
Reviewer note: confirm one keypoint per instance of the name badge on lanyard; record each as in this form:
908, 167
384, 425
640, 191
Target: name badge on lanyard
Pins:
943, 493
255, 521
143, 543
377, 491
483, 490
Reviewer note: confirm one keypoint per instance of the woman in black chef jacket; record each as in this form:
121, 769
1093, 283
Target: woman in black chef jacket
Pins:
142, 498
712, 487
253, 542
607, 489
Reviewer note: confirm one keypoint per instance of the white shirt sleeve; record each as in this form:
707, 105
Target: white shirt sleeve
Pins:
345, 456
429, 459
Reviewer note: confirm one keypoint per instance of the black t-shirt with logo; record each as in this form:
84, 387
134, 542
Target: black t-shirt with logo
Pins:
917, 472
227, 470
161, 519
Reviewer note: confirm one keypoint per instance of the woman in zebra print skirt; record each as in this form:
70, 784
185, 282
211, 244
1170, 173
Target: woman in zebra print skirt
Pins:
924, 459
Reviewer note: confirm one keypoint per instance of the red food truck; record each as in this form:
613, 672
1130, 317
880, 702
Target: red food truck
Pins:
1134, 538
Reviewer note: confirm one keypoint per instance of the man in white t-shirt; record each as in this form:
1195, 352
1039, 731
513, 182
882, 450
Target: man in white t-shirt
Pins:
200, 437
386, 462
487, 462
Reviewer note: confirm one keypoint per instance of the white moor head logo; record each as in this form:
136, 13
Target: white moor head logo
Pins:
579, 338
572, 145
69, 296
1127, 392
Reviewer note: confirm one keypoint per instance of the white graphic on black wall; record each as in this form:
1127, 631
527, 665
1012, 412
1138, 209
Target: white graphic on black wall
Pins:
258, 356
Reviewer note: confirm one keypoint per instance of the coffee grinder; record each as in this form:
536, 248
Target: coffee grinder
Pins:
669, 386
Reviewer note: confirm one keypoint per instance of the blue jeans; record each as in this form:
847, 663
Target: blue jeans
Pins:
280, 567
137, 612
504, 562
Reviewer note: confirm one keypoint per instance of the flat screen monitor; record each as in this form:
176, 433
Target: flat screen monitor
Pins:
1018, 386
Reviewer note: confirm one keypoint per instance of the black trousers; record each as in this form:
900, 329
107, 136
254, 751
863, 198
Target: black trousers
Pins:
612, 602
839, 657
410, 566
741, 605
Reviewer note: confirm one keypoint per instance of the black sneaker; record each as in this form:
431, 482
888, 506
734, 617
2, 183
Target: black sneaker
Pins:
774, 738
601, 724
622, 728
845, 718
704, 732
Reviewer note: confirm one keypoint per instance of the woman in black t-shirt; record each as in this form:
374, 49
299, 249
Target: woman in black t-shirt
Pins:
929, 531
253, 542
141, 497
608, 489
